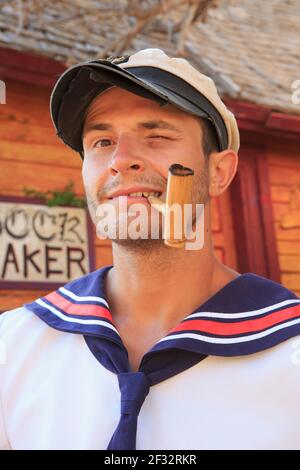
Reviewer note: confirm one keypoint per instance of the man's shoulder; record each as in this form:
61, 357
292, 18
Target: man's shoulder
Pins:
28, 343
19, 330
20, 326
263, 283
24, 325
17, 318
261, 291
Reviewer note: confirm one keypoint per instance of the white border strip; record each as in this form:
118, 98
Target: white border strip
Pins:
75, 320
88, 298
250, 313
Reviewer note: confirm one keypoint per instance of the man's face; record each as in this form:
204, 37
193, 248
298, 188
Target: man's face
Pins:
129, 144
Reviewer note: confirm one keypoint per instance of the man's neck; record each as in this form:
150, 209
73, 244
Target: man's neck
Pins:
156, 289
150, 293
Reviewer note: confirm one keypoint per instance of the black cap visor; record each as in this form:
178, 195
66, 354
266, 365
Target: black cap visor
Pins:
79, 85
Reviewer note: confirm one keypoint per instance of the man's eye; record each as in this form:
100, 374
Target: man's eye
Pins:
159, 137
103, 143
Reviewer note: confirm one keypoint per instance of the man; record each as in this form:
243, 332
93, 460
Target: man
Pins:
169, 348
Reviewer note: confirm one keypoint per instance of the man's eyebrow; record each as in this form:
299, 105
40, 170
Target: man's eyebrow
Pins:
100, 126
156, 124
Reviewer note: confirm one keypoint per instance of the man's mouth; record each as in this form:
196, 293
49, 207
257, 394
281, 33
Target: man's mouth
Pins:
137, 194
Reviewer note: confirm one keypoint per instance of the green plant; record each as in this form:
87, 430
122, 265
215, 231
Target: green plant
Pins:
56, 197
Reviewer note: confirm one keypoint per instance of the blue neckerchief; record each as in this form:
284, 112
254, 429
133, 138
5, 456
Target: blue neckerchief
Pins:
249, 314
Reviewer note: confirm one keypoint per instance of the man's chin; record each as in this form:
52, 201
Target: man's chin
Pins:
126, 231
138, 244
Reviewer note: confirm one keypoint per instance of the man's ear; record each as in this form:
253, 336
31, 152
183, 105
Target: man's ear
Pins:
222, 169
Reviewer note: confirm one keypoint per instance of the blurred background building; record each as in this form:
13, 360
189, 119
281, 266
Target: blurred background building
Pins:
252, 51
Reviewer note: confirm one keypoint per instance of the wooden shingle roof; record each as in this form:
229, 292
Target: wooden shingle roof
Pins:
249, 47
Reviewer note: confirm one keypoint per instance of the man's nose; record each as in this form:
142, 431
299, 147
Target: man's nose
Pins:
125, 157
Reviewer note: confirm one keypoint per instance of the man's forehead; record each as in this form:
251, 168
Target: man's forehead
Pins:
107, 104
114, 97
108, 98
149, 124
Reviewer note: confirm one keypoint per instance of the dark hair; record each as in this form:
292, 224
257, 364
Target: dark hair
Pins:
210, 142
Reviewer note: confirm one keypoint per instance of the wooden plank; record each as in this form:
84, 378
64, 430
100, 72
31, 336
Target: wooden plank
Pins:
40, 177
39, 116
10, 299
277, 160
252, 213
27, 109
247, 111
286, 234
278, 154
30, 62
291, 220
289, 247
29, 68
27, 95
267, 218
40, 153
290, 263
249, 129
279, 210
280, 193
27, 77
11, 131
284, 176
16, 88
283, 122
291, 281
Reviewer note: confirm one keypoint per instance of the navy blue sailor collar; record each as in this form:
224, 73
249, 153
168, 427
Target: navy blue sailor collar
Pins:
249, 314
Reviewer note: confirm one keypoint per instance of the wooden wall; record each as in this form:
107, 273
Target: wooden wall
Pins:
222, 230
284, 167
31, 155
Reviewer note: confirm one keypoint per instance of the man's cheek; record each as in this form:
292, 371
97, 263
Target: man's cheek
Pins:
88, 171
91, 177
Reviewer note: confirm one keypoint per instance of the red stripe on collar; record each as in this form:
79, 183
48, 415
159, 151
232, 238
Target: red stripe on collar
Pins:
81, 309
240, 327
